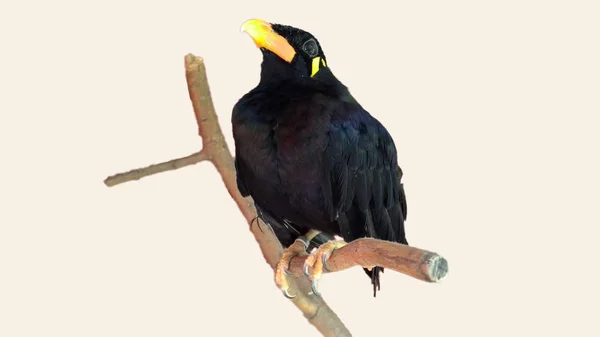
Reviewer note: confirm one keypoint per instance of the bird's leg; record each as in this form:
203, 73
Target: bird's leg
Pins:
317, 260
298, 248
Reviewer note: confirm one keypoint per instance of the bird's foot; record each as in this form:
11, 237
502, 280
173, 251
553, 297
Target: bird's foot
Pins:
298, 248
317, 260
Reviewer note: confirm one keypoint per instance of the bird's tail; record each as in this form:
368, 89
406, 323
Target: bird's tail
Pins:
374, 276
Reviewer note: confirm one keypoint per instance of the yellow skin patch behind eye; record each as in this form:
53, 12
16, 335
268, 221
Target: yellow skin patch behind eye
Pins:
315, 65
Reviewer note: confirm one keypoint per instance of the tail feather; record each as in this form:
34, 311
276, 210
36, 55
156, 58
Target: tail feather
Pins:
374, 276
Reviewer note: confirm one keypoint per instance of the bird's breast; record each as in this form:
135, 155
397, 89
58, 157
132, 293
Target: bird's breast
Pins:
282, 144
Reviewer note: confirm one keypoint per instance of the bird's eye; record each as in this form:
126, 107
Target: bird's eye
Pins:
311, 48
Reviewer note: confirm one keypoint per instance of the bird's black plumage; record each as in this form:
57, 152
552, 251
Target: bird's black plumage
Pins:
312, 157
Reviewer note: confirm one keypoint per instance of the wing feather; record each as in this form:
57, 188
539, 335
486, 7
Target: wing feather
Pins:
363, 179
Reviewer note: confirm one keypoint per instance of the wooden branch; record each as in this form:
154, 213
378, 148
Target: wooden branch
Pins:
412, 261
170, 165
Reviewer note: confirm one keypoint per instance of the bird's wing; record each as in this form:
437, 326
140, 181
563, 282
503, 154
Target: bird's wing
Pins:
241, 185
362, 179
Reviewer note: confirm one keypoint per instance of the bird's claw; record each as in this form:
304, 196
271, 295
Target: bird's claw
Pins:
282, 272
317, 260
305, 270
287, 294
324, 261
314, 284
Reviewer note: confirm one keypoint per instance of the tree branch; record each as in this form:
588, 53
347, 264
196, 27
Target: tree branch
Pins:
418, 263
367, 253
170, 165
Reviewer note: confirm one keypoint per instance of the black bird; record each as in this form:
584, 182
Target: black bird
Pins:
316, 163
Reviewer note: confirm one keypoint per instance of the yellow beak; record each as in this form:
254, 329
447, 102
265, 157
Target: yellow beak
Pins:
264, 37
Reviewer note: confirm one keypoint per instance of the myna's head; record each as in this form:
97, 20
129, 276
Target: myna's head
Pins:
287, 49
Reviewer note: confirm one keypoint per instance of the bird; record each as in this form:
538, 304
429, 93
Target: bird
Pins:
321, 170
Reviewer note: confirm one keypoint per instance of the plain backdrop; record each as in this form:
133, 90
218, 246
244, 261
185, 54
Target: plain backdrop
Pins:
493, 106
